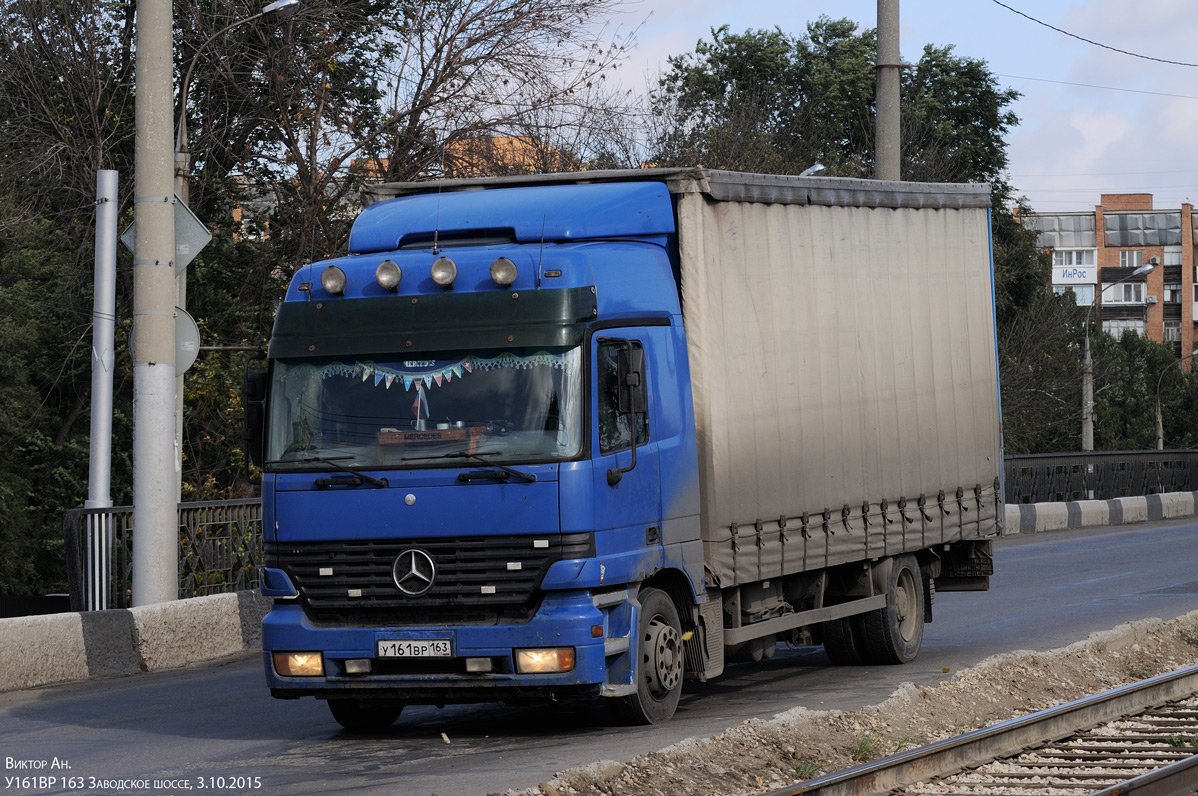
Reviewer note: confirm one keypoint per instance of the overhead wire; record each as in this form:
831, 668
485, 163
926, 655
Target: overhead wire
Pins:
1091, 41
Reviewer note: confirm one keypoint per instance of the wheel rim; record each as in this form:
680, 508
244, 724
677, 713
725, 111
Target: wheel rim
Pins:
664, 650
906, 605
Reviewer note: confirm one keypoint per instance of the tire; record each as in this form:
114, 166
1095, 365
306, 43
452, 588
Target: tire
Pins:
894, 634
357, 716
659, 661
844, 641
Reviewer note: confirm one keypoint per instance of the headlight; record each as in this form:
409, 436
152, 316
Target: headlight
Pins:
545, 661
444, 271
298, 664
388, 275
332, 279
503, 272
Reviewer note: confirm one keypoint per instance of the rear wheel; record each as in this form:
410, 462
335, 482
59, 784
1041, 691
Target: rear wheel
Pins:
894, 634
659, 666
358, 716
844, 641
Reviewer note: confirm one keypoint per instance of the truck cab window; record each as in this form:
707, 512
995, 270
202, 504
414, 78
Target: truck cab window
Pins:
411, 410
614, 428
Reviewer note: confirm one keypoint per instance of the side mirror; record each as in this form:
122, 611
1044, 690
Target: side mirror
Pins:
632, 397
253, 431
630, 370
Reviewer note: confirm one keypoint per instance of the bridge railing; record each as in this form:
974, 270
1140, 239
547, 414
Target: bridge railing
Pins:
220, 542
220, 550
1059, 477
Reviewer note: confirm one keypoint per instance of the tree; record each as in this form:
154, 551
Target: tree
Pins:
355, 90
1126, 374
767, 100
279, 114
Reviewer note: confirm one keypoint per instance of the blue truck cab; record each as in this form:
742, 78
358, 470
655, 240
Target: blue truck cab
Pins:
469, 493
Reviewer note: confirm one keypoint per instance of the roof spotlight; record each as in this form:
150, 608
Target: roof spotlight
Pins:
388, 275
332, 279
444, 271
503, 272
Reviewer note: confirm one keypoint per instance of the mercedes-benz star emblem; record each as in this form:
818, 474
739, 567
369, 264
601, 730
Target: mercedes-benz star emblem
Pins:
414, 572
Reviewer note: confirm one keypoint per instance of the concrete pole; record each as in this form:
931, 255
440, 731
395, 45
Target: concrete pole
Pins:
1160, 424
887, 149
1087, 393
155, 510
182, 189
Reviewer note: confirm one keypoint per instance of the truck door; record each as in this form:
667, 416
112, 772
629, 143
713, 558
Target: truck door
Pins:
627, 474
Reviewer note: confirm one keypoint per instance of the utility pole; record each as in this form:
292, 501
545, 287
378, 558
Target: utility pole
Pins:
155, 508
1088, 363
887, 149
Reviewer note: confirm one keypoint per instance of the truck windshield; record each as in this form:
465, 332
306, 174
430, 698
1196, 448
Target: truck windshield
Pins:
518, 405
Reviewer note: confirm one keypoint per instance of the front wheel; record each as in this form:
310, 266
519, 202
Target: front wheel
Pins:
659, 666
358, 716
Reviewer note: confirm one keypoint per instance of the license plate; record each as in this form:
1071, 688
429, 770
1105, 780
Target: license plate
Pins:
416, 648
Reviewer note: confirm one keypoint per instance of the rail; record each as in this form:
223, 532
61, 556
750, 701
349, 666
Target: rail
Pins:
1001, 740
1060, 477
220, 550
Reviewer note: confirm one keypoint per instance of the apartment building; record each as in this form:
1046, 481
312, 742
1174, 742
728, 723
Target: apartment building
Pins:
1094, 255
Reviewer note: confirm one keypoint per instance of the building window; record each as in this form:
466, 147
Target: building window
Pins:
1172, 255
1126, 293
1173, 294
1082, 294
1131, 259
1172, 331
1116, 328
1073, 257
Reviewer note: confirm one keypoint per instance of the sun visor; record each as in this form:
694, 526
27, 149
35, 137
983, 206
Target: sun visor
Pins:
517, 214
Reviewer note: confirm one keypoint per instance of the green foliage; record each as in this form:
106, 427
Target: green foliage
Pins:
768, 101
45, 376
1127, 375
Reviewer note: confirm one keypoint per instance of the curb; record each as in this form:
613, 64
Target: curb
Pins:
1041, 517
58, 648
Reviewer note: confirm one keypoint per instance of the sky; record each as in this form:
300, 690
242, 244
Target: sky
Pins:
1092, 120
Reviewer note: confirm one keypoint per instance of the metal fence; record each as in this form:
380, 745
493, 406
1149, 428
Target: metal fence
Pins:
1055, 477
220, 550
220, 542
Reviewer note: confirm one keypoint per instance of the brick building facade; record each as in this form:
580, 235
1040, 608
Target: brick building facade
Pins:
1095, 252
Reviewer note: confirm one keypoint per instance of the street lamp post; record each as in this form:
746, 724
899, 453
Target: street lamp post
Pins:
183, 190
1160, 421
1088, 363
182, 153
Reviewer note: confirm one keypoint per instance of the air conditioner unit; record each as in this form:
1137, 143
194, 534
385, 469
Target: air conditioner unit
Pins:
1152, 299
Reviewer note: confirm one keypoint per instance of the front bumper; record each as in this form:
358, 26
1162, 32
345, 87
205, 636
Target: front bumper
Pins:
565, 619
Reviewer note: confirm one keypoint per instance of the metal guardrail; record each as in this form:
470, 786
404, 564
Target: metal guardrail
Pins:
220, 550
1059, 477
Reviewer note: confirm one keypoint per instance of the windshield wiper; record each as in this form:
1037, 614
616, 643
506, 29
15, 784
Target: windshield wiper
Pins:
475, 457
335, 463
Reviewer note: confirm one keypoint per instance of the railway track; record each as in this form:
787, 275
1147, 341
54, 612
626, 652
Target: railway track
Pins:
1139, 739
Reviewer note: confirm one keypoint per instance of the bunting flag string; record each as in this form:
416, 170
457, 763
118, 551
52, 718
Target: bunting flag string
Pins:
440, 373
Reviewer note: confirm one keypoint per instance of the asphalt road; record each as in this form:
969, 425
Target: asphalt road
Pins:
216, 728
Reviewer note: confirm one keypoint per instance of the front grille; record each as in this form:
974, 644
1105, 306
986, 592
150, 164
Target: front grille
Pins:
479, 579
